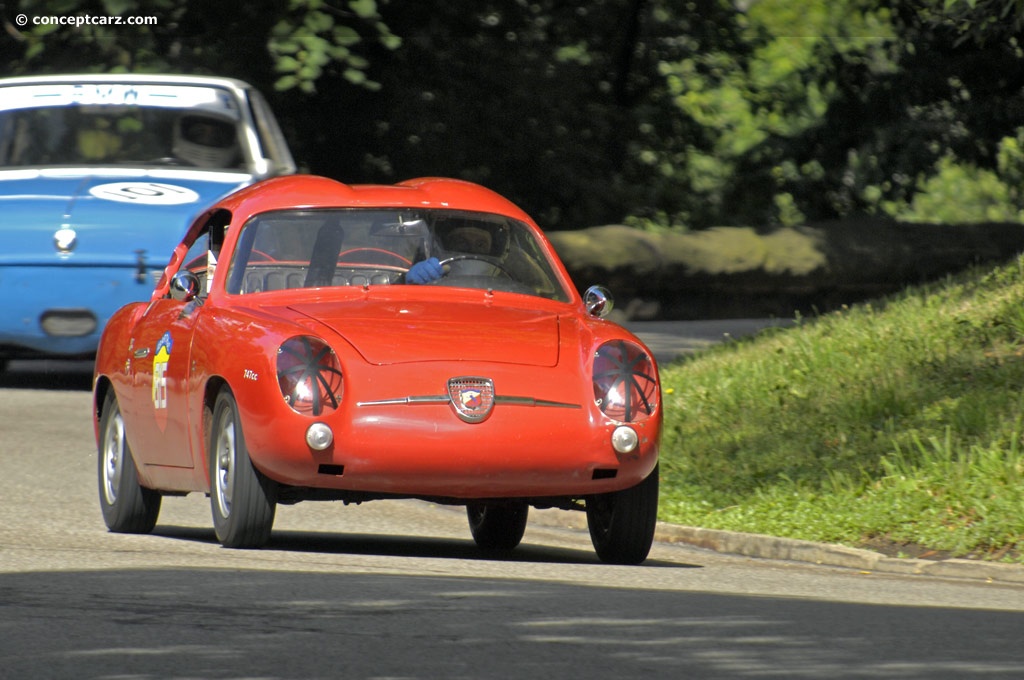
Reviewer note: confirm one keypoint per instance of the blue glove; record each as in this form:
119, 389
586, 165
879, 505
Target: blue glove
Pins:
425, 271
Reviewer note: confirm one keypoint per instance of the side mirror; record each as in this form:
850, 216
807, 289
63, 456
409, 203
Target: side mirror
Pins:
598, 301
184, 286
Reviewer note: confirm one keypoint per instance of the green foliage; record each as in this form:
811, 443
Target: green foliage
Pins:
756, 98
98, 43
900, 420
679, 115
959, 193
947, 100
979, 20
301, 41
315, 36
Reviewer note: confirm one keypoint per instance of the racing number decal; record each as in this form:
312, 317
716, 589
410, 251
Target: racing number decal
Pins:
149, 193
160, 359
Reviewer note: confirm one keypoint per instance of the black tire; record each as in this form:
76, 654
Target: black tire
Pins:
622, 523
497, 527
128, 507
242, 500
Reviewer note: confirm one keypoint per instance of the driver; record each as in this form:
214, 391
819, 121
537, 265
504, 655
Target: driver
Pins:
205, 141
470, 239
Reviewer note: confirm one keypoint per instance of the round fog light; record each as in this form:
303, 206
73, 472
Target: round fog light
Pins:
319, 436
624, 439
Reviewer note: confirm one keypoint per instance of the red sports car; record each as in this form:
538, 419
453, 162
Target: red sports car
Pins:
311, 340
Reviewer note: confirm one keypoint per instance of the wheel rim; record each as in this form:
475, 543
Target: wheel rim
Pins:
224, 465
113, 457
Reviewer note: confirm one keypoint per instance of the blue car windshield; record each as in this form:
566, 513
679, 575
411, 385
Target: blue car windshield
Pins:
118, 125
369, 247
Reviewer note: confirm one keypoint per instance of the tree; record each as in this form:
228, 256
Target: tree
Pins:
980, 21
298, 42
545, 101
841, 108
695, 114
762, 104
958, 100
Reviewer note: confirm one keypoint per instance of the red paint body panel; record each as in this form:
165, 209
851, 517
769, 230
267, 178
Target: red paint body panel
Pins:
397, 347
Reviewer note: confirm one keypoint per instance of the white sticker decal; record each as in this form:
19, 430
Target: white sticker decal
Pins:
160, 361
149, 193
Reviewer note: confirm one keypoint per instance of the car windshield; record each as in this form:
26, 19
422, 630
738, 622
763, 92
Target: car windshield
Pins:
118, 125
369, 247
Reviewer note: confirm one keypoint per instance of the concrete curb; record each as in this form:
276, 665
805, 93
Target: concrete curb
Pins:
773, 548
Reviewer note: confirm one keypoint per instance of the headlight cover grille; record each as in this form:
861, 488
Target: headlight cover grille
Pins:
309, 375
625, 382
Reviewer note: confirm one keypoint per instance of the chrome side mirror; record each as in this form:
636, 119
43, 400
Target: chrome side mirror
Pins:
598, 301
184, 286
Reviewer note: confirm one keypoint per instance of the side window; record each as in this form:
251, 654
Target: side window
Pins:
197, 260
201, 257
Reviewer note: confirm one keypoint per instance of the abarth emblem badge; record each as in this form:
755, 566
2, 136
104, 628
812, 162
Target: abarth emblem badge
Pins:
471, 398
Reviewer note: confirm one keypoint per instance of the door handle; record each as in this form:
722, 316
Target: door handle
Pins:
142, 353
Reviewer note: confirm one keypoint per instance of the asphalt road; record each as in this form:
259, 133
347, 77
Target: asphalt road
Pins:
397, 590
669, 340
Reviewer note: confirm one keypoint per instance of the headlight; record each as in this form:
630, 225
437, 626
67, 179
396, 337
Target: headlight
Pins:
625, 381
309, 375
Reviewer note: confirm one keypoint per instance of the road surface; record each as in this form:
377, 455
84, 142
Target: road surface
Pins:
398, 590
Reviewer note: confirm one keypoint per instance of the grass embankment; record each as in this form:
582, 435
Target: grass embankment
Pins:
895, 425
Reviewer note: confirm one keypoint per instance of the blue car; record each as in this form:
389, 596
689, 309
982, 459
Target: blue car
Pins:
100, 175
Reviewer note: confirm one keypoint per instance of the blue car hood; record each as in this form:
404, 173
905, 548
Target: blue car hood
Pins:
105, 218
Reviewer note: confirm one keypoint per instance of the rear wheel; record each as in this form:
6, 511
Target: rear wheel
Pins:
622, 523
127, 506
243, 501
497, 526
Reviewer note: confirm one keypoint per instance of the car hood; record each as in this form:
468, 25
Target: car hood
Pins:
443, 331
107, 218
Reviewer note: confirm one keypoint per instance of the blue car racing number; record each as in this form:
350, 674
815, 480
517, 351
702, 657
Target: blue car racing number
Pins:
148, 193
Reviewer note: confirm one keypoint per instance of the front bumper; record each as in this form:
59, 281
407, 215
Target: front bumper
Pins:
424, 450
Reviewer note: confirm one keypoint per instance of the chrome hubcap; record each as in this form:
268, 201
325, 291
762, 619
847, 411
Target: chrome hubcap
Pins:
224, 471
113, 457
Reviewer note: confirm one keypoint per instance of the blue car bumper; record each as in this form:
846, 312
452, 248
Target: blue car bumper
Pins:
60, 310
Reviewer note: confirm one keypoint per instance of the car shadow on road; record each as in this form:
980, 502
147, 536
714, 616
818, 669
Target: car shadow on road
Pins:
48, 375
390, 545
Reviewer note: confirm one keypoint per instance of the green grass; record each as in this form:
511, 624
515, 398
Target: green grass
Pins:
898, 422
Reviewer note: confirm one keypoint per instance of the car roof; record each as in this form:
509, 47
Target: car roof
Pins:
314, 192
126, 78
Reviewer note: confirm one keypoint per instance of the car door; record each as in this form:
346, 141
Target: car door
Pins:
160, 356
159, 364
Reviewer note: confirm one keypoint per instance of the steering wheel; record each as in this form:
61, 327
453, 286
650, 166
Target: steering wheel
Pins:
380, 251
480, 258
259, 256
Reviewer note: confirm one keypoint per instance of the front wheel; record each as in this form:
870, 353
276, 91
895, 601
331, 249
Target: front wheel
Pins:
243, 500
128, 507
497, 527
622, 523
